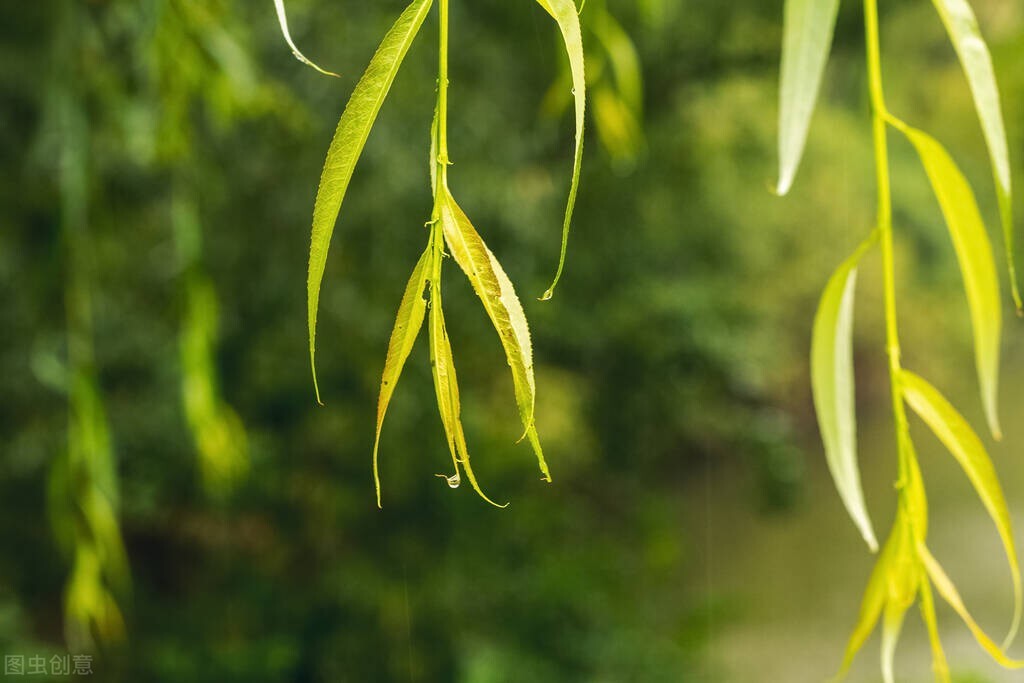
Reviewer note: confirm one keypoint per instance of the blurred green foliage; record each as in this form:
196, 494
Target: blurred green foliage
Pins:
676, 343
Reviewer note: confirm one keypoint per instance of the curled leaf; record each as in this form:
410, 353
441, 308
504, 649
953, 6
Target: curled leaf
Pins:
832, 384
446, 385
962, 26
408, 322
564, 12
283, 20
974, 253
807, 39
950, 594
346, 147
957, 436
499, 298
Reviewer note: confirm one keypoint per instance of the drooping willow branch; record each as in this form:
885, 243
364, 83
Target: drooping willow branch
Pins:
906, 570
450, 234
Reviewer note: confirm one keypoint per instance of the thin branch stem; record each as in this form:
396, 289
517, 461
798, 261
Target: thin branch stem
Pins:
892, 343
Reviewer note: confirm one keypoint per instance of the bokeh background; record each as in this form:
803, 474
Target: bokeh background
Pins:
691, 533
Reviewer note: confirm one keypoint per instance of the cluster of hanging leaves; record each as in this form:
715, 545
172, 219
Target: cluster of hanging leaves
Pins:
906, 570
451, 234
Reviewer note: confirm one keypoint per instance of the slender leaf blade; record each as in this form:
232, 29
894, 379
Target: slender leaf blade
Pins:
346, 147
974, 253
875, 597
957, 436
495, 290
965, 35
446, 386
832, 385
565, 14
282, 19
808, 26
949, 593
408, 322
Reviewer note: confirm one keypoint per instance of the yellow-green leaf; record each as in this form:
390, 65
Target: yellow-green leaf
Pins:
283, 20
875, 597
832, 384
349, 139
961, 441
962, 26
565, 14
892, 624
499, 298
974, 252
949, 593
446, 385
411, 311
807, 39
939, 664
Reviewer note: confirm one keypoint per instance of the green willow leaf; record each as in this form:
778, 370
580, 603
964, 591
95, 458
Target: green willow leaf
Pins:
949, 593
974, 253
408, 322
939, 664
283, 21
807, 39
892, 624
902, 588
495, 290
957, 436
872, 604
833, 388
446, 385
346, 147
974, 56
564, 12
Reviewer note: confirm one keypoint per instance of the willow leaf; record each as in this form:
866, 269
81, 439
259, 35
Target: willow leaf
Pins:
950, 594
349, 139
564, 12
874, 600
892, 624
974, 252
446, 385
411, 311
902, 587
807, 39
957, 436
974, 56
939, 664
495, 290
283, 20
833, 388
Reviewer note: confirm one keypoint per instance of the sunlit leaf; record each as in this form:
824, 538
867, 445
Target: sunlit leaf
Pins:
349, 139
832, 383
892, 624
875, 597
283, 20
962, 26
446, 385
961, 441
807, 39
901, 589
408, 322
939, 664
949, 593
974, 252
496, 293
565, 14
